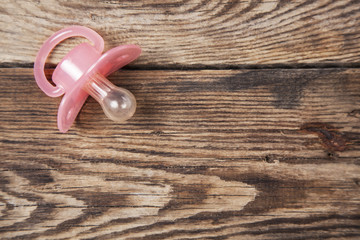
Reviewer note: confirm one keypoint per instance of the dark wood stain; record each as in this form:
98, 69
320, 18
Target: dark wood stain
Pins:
274, 193
287, 88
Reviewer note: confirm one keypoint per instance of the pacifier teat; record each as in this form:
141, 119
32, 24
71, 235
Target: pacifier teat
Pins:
83, 72
118, 103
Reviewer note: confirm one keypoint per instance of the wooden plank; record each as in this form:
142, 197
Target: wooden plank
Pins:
212, 154
192, 33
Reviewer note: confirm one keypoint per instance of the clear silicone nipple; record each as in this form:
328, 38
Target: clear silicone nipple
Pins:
118, 103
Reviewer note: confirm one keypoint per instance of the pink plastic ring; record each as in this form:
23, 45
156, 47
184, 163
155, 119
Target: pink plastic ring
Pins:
47, 47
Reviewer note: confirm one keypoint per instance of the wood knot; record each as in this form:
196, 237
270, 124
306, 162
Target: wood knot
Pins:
355, 113
271, 159
331, 138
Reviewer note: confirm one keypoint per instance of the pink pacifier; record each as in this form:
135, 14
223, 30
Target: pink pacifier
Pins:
83, 71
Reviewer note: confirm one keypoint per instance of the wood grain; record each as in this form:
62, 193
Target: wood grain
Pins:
192, 33
209, 154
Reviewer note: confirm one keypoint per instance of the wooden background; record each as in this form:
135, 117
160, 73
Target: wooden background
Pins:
247, 127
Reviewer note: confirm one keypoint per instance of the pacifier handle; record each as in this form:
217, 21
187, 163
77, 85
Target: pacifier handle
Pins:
47, 47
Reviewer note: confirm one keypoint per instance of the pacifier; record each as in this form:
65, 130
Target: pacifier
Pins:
82, 72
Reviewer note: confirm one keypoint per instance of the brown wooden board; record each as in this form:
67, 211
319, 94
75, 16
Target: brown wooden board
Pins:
192, 33
209, 154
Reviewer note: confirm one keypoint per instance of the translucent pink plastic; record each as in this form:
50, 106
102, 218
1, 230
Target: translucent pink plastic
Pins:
77, 68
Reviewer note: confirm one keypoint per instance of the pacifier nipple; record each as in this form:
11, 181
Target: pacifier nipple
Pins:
118, 103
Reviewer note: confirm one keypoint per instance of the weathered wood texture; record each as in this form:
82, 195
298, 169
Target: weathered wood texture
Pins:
212, 154
192, 33
209, 154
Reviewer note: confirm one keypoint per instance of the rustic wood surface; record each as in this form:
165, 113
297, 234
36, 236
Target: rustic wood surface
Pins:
193, 33
247, 126
209, 154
